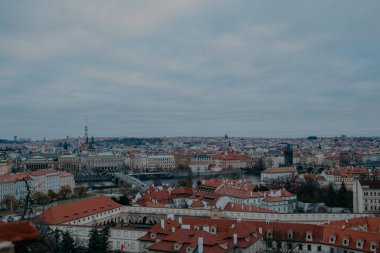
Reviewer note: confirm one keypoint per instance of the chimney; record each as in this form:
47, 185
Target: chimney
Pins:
200, 244
162, 224
173, 229
234, 241
180, 220
260, 230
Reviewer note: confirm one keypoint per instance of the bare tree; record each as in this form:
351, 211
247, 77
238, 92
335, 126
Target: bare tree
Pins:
10, 202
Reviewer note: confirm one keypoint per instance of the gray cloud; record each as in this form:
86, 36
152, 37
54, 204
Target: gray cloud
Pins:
153, 68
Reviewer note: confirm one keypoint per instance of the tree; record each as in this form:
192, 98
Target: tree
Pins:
94, 241
10, 202
68, 243
344, 197
52, 241
105, 234
331, 196
27, 201
52, 195
80, 190
65, 191
308, 191
260, 188
40, 197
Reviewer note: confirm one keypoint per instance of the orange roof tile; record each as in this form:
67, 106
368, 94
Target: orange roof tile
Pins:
63, 213
18, 231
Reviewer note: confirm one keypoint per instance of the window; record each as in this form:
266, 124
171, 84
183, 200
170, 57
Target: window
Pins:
359, 244
309, 236
308, 247
300, 246
319, 248
331, 250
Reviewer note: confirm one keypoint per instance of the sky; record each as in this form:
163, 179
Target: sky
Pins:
189, 68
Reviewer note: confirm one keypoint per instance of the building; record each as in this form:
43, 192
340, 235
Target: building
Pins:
161, 163
79, 217
16, 235
201, 235
104, 162
273, 161
200, 162
39, 180
192, 234
182, 160
5, 167
37, 163
69, 163
230, 161
366, 194
277, 174
143, 162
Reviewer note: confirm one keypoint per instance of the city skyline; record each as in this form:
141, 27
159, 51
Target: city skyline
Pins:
200, 68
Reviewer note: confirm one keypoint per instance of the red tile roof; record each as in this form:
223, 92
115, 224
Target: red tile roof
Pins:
18, 231
43, 172
63, 213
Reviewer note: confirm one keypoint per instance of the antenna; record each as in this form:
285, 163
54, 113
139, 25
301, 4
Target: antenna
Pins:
86, 131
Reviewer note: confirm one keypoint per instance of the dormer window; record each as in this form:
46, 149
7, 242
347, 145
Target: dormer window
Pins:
346, 241
213, 230
290, 235
269, 234
196, 227
332, 238
153, 236
177, 246
373, 246
359, 244
189, 249
309, 236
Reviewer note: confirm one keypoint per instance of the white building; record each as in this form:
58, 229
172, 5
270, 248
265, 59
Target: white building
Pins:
106, 161
143, 162
366, 196
277, 174
39, 180
79, 217
5, 167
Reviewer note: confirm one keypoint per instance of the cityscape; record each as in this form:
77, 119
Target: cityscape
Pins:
194, 126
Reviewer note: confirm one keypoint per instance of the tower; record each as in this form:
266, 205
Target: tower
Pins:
288, 153
86, 132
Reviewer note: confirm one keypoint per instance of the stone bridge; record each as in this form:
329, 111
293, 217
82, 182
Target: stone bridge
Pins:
129, 179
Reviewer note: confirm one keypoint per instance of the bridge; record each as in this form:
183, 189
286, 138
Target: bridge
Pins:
130, 179
182, 174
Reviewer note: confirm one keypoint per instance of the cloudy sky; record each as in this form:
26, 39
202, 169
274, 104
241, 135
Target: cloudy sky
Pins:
186, 68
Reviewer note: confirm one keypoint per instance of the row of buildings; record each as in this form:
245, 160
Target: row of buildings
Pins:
219, 194
196, 234
39, 181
